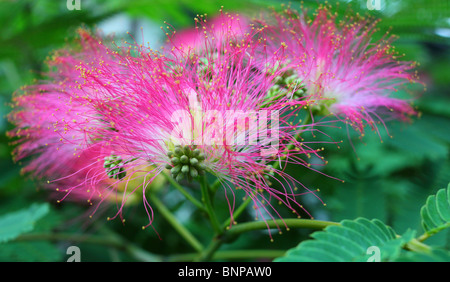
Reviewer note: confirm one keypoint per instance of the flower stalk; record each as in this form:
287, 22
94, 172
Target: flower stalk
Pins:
165, 212
185, 193
207, 201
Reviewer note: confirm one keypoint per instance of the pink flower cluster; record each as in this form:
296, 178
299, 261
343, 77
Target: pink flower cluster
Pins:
344, 70
224, 98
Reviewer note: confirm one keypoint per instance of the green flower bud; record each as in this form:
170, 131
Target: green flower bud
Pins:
175, 160
178, 151
193, 161
185, 169
201, 166
184, 159
187, 150
179, 177
187, 161
175, 169
196, 152
194, 172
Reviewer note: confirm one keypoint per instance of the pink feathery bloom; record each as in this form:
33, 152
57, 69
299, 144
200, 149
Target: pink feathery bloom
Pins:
207, 111
217, 28
355, 78
137, 112
61, 136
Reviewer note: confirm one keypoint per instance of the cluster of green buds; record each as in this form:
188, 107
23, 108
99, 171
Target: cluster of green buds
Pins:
186, 162
296, 83
206, 68
114, 167
287, 80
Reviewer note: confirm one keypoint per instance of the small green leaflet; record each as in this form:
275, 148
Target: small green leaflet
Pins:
435, 255
352, 240
436, 212
15, 223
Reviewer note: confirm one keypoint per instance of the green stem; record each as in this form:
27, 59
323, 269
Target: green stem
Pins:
238, 212
175, 224
278, 223
417, 246
81, 238
276, 165
215, 244
260, 225
206, 198
232, 255
430, 233
305, 121
215, 186
180, 188
110, 241
423, 237
143, 255
210, 250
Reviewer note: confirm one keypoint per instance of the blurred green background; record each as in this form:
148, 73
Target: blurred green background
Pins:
389, 181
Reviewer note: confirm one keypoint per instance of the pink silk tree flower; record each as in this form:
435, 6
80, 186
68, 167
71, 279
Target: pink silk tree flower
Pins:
206, 110
337, 62
217, 28
137, 112
61, 136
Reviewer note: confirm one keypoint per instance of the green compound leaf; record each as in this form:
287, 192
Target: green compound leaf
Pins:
38, 251
435, 213
15, 223
436, 255
353, 240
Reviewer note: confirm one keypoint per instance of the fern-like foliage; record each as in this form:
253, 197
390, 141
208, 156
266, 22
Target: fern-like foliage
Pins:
362, 239
352, 240
435, 213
